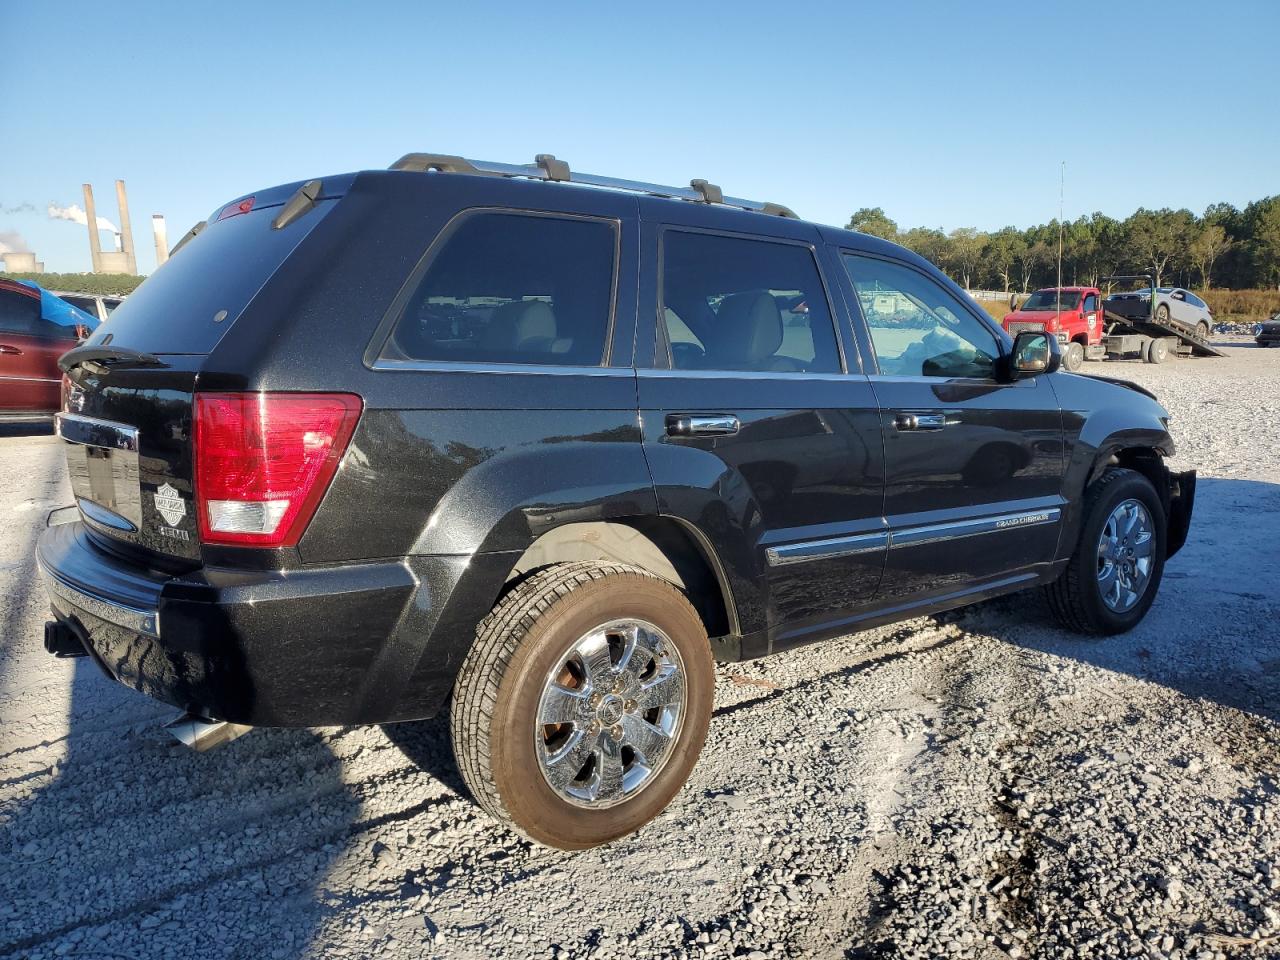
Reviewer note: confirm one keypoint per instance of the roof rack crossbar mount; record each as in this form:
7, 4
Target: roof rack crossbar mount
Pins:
547, 167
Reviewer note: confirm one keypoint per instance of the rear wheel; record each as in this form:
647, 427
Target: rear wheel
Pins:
584, 703
1073, 356
1157, 350
1114, 572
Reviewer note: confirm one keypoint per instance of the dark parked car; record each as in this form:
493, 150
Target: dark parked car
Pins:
36, 328
1267, 333
484, 439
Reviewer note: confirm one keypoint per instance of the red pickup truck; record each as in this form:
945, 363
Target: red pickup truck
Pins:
1074, 314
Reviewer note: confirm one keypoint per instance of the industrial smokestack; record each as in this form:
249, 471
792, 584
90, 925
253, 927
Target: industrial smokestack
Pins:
91, 218
126, 230
162, 238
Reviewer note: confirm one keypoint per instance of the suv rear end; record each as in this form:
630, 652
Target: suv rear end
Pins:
200, 446
257, 471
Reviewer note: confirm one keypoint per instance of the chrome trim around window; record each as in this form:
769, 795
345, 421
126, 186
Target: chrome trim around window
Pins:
460, 366
141, 621
826, 549
831, 547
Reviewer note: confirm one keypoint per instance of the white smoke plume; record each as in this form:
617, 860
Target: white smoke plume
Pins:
11, 242
76, 215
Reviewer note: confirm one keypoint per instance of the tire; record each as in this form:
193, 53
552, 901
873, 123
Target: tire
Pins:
1157, 350
1077, 597
1073, 357
1162, 313
1203, 331
523, 667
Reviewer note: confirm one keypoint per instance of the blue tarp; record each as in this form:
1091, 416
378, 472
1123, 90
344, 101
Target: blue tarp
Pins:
56, 310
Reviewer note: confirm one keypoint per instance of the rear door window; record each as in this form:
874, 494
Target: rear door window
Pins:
19, 313
507, 287
731, 303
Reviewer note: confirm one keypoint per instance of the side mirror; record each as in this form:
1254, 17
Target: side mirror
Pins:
1034, 352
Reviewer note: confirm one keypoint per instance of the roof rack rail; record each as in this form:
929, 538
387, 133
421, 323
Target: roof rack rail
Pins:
547, 167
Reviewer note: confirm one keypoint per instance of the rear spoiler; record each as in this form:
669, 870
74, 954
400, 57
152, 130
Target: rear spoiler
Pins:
98, 358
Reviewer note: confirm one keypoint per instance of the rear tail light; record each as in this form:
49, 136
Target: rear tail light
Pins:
264, 461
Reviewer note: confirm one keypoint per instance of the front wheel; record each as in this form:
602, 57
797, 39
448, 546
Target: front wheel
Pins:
583, 704
1162, 313
1073, 356
1202, 330
1113, 575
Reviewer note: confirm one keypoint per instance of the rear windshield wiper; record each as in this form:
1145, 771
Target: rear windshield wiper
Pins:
98, 359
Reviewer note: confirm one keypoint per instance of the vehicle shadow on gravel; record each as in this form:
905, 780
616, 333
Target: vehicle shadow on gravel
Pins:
120, 842
22, 427
1211, 633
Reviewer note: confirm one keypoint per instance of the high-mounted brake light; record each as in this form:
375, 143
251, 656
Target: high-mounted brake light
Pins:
235, 209
264, 461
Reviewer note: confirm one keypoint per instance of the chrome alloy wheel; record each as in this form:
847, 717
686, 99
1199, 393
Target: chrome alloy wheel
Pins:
1126, 551
610, 713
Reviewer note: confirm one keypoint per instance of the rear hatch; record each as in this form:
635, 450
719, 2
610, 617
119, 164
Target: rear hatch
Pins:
128, 416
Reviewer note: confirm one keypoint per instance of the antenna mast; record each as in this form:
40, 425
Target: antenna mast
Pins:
1062, 177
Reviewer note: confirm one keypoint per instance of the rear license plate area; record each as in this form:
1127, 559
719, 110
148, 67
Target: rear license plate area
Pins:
102, 460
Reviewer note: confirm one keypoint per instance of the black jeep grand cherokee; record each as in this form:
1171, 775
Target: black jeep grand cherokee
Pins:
536, 447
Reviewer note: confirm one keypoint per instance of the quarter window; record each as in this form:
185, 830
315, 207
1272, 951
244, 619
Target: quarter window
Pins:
918, 327
513, 288
735, 304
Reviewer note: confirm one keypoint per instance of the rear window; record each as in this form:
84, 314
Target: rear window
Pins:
191, 301
512, 288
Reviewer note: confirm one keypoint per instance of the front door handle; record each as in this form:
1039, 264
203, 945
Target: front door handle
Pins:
6, 348
920, 421
701, 425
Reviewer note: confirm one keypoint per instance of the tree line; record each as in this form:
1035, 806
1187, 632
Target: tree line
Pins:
105, 284
1233, 248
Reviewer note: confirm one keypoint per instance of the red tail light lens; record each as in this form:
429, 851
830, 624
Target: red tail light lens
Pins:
264, 460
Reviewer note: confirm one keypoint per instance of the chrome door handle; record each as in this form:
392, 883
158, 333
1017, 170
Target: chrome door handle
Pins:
701, 425
920, 421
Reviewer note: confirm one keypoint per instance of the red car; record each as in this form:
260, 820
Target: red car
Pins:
36, 328
1073, 314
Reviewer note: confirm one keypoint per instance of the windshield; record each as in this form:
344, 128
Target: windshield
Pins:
1047, 300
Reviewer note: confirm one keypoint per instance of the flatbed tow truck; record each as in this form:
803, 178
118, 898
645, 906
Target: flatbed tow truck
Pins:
1145, 338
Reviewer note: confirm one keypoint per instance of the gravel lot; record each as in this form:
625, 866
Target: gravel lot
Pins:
977, 785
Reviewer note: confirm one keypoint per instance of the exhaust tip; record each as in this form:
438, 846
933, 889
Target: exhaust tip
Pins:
201, 734
61, 641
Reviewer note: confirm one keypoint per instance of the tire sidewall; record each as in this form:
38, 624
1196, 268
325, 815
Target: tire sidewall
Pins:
1131, 486
527, 797
1073, 359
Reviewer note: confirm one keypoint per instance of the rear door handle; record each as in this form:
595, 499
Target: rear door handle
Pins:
920, 421
701, 425
6, 348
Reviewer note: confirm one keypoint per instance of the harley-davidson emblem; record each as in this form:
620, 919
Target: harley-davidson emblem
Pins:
170, 505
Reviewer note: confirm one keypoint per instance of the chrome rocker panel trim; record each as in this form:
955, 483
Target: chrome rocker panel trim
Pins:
831, 547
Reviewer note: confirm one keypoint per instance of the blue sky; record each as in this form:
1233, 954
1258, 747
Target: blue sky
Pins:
944, 114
